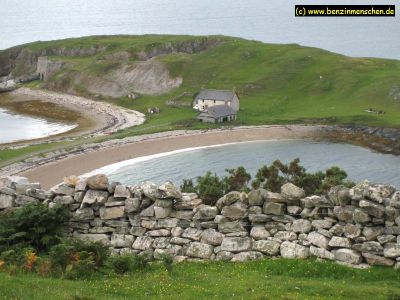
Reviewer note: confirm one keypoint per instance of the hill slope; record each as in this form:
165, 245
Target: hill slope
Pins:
276, 83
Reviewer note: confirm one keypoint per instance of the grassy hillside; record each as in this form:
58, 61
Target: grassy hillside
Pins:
277, 83
266, 279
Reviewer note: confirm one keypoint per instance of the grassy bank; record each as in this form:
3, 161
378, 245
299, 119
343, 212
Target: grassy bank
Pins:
277, 84
267, 279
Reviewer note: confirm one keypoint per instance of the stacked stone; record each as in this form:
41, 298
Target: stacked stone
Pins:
356, 226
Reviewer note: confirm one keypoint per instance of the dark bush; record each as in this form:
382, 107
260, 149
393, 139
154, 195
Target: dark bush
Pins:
122, 264
188, 186
210, 188
237, 181
35, 225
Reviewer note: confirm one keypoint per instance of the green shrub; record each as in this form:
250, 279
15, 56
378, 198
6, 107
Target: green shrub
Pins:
210, 188
188, 186
122, 264
34, 225
237, 181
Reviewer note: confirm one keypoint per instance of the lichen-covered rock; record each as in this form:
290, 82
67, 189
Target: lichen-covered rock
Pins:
189, 201
6, 201
268, 247
132, 205
339, 242
231, 227
321, 253
372, 247
200, 250
348, 256
256, 197
98, 182
344, 213
259, 233
316, 201
352, 231
121, 240
236, 244
246, 256
376, 260
121, 191
285, 236
371, 233
339, 195
95, 196
301, 226
83, 214
371, 208
110, 213
192, 233
318, 239
211, 237
236, 211
168, 191
63, 189
205, 213
291, 192
277, 209
143, 243
391, 250
228, 199
292, 250
22, 200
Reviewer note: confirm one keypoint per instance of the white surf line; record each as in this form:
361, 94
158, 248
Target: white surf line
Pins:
109, 169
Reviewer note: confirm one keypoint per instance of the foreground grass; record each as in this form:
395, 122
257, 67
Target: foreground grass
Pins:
267, 279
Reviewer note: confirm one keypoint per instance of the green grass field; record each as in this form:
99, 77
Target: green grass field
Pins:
265, 279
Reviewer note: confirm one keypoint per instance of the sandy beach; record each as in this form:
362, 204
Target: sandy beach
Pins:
104, 118
52, 173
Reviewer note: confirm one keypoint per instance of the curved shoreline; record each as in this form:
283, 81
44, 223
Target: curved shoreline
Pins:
51, 169
107, 118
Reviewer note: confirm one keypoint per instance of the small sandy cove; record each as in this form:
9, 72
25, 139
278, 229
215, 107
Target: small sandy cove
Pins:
52, 173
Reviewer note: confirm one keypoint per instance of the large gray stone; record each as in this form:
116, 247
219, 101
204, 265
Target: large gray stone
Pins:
6, 201
205, 213
344, 213
371, 233
98, 182
211, 237
339, 242
159, 233
192, 233
148, 212
102, 238
352, 231
22, 200
360, 216
316, 201
372, 247
339, 195
168, 191
95, 196
162, 212
286, 235
110, 213
63, 189
372, 208
301, 226
292, 192
83, 214
268, 247
143, 243
228, 199
292, 250
236, 244
318, 240
231, 227
256, 197
189, 201
121, 191
348, 256
376, 260
259, 233
246, 256
236, 211
321, 253
121, 240
132, 205
200, 250
277, 209
391, 250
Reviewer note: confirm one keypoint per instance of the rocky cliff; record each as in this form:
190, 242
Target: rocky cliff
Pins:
355, 226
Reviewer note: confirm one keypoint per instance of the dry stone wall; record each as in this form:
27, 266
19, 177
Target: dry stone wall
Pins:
355, 226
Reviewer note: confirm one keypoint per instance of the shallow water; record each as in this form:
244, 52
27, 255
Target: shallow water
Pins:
14, 127
269, 21
358, 162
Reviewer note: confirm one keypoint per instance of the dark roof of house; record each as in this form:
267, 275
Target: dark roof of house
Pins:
223, 95
219, 111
